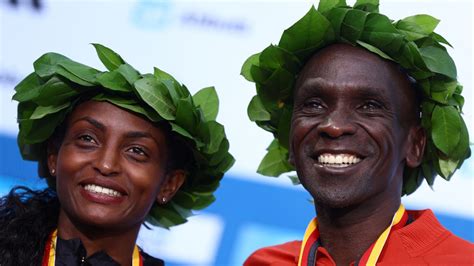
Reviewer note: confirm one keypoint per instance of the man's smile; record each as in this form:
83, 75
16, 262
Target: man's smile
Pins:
338, 160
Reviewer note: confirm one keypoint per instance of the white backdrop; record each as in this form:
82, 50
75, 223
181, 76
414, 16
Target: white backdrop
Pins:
204, 43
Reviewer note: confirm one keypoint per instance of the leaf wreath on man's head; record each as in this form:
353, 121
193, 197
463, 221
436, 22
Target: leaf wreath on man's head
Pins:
410, 42
58, 84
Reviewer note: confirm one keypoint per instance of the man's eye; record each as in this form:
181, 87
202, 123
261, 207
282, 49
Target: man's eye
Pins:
313, 104
138, 151
371, 106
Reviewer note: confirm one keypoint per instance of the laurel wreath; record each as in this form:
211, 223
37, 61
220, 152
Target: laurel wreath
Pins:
410, 42
51, 92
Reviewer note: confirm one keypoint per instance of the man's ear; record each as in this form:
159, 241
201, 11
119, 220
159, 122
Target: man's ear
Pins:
52, 157
173, 181
416, 146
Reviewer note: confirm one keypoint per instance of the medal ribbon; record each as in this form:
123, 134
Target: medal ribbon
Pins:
49, 257
370, 256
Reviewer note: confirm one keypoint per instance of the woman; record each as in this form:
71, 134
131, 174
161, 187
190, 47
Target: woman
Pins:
117, 148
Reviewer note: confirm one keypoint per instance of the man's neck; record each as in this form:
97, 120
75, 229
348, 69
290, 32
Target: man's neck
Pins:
118, 244
346, 233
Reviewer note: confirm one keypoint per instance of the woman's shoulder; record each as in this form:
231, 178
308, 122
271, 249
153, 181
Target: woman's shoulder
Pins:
149, 260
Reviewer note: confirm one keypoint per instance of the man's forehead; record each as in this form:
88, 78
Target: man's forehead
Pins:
349, 66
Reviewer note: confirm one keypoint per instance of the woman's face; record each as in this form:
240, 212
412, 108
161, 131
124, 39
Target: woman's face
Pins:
111, 167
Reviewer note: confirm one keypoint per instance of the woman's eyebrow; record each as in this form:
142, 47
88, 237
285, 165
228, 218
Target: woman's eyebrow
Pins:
91, 121
140, 134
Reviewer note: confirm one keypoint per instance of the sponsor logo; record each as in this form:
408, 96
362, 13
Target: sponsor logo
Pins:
34, 4
160, 14
8, 79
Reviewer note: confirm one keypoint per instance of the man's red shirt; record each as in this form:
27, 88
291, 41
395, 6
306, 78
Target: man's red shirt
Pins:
423, 241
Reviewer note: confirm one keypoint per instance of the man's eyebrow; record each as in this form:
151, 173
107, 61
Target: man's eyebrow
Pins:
361, 89
91, 121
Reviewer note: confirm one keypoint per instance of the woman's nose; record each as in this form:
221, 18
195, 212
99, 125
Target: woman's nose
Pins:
107, 161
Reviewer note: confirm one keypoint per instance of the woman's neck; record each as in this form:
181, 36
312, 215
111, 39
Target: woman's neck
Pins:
117, 243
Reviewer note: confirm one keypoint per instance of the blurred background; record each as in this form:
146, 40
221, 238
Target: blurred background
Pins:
204, 43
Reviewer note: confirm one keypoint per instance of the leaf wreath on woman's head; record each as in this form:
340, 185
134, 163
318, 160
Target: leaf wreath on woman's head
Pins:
58, 84
410, 42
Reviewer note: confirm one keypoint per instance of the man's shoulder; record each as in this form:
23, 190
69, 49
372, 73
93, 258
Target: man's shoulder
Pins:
426, 239
283, 254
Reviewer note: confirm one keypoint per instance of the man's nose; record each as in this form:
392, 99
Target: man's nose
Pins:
337, 123
107, 161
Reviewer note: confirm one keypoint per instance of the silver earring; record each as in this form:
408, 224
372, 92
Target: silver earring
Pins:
163, 200
53, 171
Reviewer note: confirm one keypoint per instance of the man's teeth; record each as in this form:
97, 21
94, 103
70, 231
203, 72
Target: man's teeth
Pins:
102, 190
337, 160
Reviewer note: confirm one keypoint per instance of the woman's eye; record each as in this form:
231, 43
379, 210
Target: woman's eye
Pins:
87, 138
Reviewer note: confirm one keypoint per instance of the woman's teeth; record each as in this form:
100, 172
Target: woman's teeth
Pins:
337, 160
102, 190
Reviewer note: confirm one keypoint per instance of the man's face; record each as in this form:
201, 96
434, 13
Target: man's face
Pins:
350, 128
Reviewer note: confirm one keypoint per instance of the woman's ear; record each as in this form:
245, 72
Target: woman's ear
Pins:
52, 158
173, 181
416, 146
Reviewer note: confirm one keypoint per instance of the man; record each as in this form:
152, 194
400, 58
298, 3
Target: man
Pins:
342, 94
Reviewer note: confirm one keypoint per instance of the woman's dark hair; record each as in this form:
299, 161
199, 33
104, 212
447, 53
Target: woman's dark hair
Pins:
27, 217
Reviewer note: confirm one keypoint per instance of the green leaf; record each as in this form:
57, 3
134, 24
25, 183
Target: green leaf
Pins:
129, 73
131, 105
461, 149
367, 5
160, 74
26, 85
353, 25
109, 58
55, 91
374, 50
284, 126
47, 64
256, 111
204, 201
439, 61
446, 127
274, 57
60, 70
313, 30
42, 129
154, 94
336, 17
220, 154
81, 71
183, 132
326, 5
275, 163
42, 111
294, 179
186, 116
447, 167
217, 135
114, 81
418, 26
440, 39
208, 101
251, 61
226, 163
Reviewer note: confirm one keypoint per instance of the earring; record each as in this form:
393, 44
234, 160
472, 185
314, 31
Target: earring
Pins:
163, 200
53, 171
